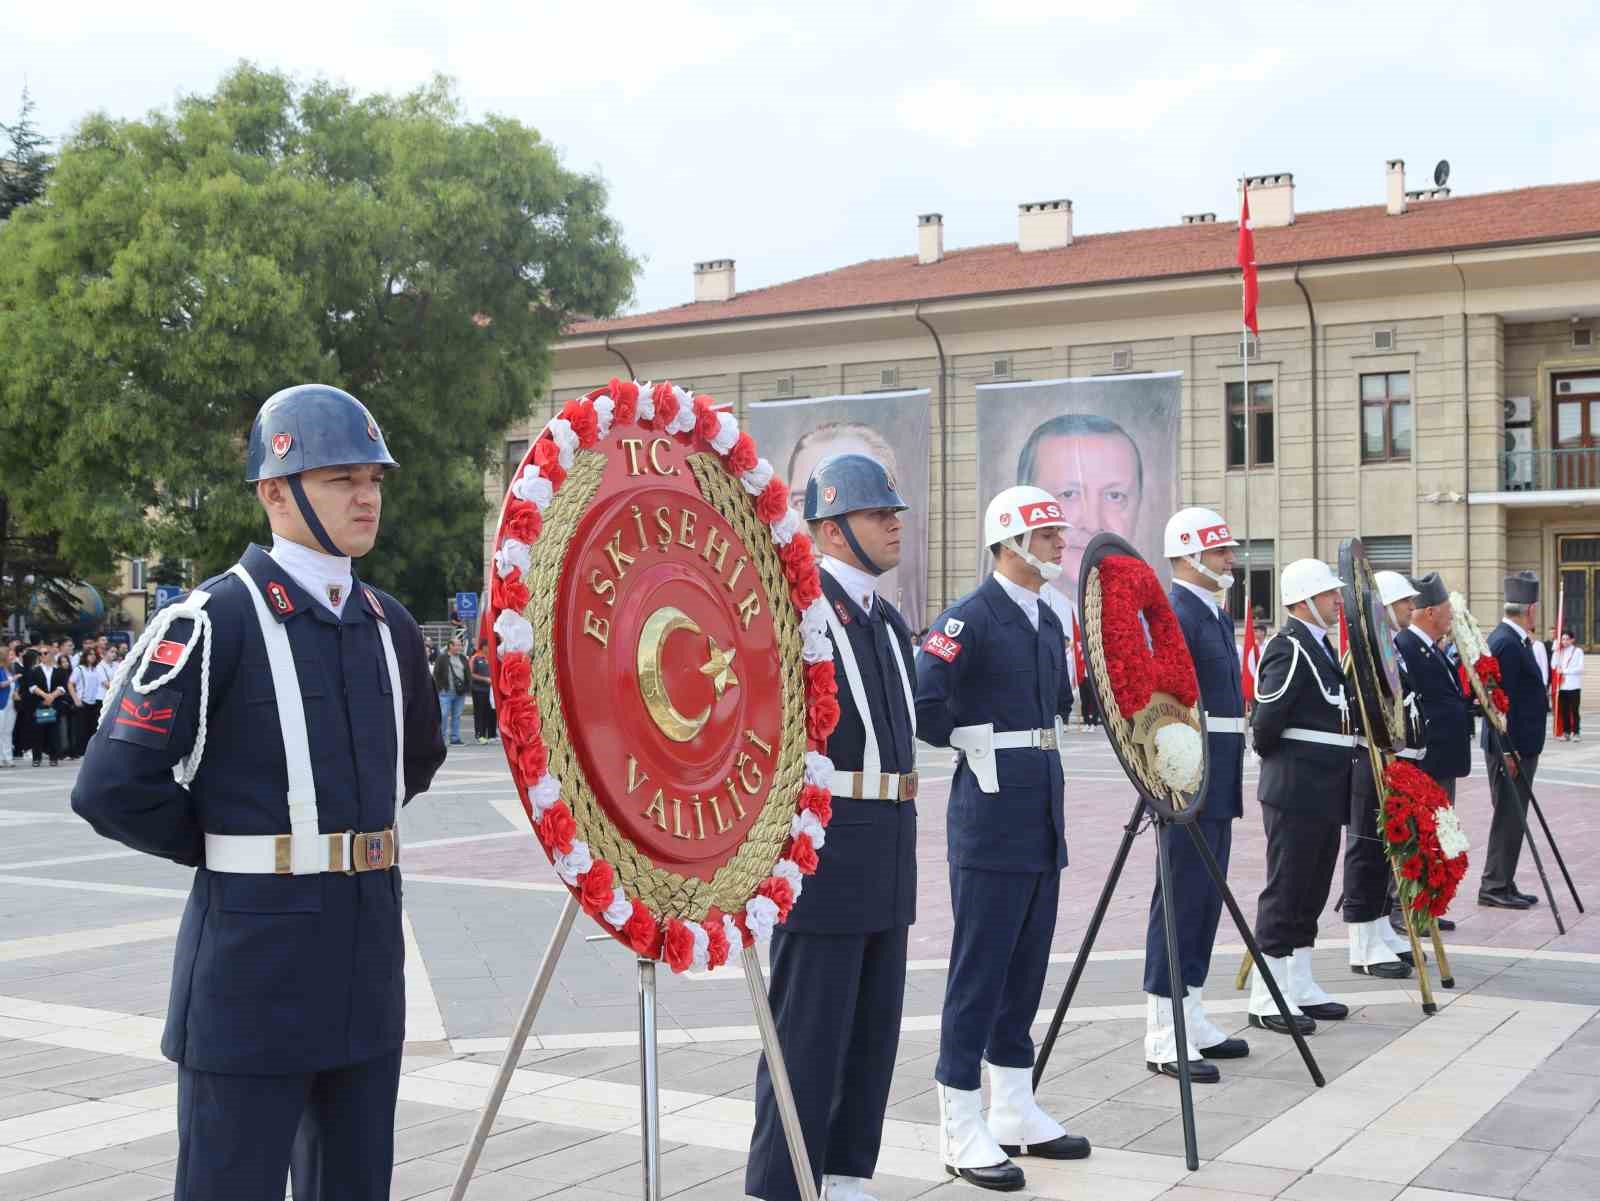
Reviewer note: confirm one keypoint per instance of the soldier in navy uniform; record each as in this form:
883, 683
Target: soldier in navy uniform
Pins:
1511, 643
1301, 725
294, 704
992, 682
839, 961
1199, 546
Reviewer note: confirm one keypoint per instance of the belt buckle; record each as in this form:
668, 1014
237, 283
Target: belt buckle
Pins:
908, 786
371, 852
1047, 740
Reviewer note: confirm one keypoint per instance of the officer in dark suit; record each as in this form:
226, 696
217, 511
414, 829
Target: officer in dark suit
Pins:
1511, 643
1301, 725
296, 705
992, 682
839, 961
1199, 546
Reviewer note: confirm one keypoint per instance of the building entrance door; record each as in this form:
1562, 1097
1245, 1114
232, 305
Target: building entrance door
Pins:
1576, 461
1578, 557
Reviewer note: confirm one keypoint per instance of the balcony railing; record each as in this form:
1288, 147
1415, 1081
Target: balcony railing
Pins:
1549, 470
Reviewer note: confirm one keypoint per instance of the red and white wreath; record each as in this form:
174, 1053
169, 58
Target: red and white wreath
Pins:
696, 422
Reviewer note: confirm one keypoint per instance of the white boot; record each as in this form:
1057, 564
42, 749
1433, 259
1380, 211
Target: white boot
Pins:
1261, 1003
1161, 1034
1368, 945
1303, 986
1015, 1119
844, 1188
964, 1138
1203, 1032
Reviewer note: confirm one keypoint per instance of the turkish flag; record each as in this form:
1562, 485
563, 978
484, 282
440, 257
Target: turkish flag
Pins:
1247, 263
1251, 652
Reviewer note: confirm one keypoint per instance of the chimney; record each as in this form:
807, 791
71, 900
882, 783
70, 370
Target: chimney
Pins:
930, 238
1396, 189
1271, 199
713, 280
1044, 225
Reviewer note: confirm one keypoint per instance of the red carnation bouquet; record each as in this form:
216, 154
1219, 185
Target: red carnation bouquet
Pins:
1423, 840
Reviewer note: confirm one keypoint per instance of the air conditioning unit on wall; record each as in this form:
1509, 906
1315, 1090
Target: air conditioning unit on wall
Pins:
1519, 441
1519, 410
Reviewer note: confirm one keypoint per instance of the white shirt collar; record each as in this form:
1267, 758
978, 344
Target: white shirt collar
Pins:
860, 586
325, 577
1027, 600
1315, 632
1522, 634
1204, 594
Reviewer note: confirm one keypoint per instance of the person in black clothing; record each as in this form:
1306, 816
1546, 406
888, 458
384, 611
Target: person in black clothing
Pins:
484, 721
48, 688
1510, 643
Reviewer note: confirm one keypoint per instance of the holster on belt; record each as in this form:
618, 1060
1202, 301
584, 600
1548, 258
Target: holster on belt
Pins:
976, 744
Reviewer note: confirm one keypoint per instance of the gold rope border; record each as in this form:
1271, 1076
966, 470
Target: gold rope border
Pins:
668, 893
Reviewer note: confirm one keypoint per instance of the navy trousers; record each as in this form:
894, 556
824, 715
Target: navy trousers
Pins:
237, 1134
1004, 922
836, 999
1196, 902
1302, 851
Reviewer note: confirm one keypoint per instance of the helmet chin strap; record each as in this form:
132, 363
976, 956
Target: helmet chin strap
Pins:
1223, 582
861, 555
1047, 571
318, 531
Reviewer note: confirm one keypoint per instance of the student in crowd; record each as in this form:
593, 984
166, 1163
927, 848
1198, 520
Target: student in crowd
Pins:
1569, 662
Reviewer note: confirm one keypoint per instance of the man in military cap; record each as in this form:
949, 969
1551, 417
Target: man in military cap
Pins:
295, 703
992, 682
1511, 643
839, 961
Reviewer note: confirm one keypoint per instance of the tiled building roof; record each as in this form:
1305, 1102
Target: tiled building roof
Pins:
1551, 213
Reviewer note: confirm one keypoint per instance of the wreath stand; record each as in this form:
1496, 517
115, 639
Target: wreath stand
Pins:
649, 1079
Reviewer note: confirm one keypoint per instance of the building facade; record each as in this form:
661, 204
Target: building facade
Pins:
1426, 374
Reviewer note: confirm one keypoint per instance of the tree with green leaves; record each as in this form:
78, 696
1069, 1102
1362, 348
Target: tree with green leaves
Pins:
25, 166
188, 265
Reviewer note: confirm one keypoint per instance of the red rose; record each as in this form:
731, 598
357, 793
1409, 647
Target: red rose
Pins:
1436, 876
742, 457
716, 939
585, 422
822, 715
547, 457
509, 592
706, 424
1500, 700
803, 854
678, 949
806, 589
821, 680
534, 759
797, 556
523, 522
818, 801
773, 502
641, 932
595, 887
1412, 868
625, 396
519, 718
777, 890
516, 674
666, 402
557, 829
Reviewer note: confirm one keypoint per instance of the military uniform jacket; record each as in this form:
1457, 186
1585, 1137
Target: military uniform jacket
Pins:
999, 670
1302, 778
274, 974
1525, 689
1216, 663
1446, 713
866, 878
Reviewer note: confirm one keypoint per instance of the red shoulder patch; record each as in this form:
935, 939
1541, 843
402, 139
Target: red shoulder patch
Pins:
942, 647
167, 652
374, 603
278, 597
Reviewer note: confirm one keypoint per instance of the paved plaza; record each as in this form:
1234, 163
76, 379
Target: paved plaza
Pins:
1496, 1095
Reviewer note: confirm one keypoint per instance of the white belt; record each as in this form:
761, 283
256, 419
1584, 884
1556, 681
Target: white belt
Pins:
1224, 725
1296, 734
273, 854
1403, 753
1039, 740
875, 786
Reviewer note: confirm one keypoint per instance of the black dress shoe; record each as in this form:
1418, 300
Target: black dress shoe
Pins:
1445, 925
1406, 958
1383, 971
1200, 1072
1526, 896
1275, 1023
1067, 1146
1228, 1048
1328, 1011
1495, 900
1003, 1177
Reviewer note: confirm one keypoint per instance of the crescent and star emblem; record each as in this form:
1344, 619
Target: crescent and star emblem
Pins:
652, 680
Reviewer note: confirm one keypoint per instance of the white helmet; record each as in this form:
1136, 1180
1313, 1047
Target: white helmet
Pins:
1017, 512
1305, 578
1392, 586
1195, 530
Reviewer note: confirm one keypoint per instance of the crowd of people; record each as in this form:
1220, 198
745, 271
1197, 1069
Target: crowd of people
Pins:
51, 692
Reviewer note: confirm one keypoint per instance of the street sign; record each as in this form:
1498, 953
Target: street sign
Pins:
167, 593
467, 607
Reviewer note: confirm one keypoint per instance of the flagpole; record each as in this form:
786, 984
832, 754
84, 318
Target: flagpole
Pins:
1244, 359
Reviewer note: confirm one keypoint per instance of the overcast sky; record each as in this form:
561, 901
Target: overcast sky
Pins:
803, 136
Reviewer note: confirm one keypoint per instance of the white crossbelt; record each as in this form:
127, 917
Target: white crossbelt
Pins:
1298, 734
308, 850
1408, 752
1224, 725
871, 781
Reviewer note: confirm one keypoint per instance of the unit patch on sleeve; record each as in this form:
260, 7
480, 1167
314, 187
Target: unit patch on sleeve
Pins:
168, 652
943, 647
146, 721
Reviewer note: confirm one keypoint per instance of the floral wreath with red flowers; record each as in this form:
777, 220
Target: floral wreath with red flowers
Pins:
1424, 841
1480, 671
698, 424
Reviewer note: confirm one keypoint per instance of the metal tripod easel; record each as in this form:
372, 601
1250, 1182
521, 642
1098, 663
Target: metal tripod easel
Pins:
649, 1081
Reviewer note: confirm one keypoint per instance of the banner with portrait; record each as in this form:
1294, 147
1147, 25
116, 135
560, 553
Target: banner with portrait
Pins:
1106, 446
894, 428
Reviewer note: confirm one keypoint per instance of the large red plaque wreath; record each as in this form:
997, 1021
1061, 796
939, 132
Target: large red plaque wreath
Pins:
664, 681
